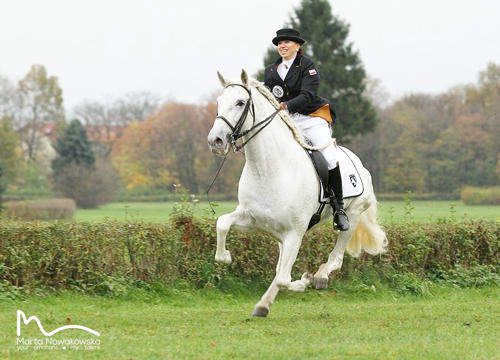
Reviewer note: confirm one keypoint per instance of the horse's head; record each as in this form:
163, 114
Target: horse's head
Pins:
233, 107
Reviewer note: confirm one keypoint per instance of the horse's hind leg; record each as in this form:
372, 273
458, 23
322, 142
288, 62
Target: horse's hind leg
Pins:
336, 257
238, 217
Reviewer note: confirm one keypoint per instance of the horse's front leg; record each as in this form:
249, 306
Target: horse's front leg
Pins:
239, 218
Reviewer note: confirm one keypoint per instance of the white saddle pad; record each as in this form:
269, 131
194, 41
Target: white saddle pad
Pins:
352, 185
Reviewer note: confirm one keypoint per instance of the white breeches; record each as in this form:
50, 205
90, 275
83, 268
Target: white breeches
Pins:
318, 132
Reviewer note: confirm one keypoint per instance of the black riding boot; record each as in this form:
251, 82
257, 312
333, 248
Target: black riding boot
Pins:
341, 222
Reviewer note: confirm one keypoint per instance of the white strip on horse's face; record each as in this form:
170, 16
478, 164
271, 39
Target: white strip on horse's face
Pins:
230, 104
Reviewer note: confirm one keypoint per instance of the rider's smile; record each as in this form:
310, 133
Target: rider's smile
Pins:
287, 49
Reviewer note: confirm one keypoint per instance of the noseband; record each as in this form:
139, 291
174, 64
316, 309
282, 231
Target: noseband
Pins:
236, 129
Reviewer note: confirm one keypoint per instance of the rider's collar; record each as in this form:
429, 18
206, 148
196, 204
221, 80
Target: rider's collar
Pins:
296, 60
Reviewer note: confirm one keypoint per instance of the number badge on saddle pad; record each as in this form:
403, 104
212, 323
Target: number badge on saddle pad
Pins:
278, 91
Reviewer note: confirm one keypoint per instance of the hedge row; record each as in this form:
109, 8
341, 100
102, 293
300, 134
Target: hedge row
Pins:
481, 196
86, 255
48, 209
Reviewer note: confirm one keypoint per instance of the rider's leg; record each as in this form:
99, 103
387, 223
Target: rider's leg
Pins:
318, 131
337, 199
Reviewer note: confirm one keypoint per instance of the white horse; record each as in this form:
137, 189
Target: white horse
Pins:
279, 189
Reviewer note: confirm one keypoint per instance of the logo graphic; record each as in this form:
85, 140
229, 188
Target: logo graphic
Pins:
278, 91
21, 314
312, 72
353, 179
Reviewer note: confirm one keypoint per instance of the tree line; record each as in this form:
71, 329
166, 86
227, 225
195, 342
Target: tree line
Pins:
437, 143
137, 142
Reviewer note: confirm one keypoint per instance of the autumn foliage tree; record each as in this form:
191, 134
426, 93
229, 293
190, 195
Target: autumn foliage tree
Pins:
40, 102
437, 143
170, 147
106, 121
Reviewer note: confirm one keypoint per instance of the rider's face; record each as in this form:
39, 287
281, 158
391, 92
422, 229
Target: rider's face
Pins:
288, 49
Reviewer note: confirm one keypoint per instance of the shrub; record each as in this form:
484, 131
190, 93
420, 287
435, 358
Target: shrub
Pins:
51, 209
481, 196
477, 276
100, 257
88, 186
27, 194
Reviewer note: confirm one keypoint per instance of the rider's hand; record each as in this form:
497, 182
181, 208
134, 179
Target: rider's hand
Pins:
283, 106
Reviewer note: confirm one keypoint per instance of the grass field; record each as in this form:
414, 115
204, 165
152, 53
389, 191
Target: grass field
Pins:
451, 324
389, 211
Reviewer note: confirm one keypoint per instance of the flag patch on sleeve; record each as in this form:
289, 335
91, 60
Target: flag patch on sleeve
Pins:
312, 72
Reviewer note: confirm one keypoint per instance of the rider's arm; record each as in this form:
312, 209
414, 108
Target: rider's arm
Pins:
308, 90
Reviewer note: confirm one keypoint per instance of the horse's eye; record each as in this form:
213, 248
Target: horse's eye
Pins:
240, 103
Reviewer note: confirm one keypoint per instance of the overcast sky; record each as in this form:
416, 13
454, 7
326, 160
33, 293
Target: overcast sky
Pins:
102, 49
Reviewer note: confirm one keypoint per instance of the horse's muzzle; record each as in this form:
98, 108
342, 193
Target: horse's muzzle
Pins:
218, 145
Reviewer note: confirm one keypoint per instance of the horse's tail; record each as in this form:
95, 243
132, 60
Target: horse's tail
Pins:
368, 235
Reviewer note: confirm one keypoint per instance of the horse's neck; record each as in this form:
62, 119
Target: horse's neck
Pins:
265, 152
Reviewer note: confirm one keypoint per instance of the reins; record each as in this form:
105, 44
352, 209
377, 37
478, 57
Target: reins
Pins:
236, 129
266, 122
237, 134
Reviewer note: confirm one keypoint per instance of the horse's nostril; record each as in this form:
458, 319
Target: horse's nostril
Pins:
219, 142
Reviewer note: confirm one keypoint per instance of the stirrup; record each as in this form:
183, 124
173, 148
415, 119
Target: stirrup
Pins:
340, 225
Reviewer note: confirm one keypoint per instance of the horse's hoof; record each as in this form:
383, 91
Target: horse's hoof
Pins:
320, 283
260, 311
224, 258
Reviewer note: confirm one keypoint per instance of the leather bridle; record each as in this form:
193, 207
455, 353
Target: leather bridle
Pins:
236, 129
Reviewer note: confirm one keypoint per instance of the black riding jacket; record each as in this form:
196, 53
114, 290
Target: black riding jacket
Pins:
299, 87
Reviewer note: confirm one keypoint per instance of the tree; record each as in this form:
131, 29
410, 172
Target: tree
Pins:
73, 147
9, 157
342, 73
170, 147
88, 186
106, 122
406, 163
77, 174
484, 100
162, 149
40, 101
7, 97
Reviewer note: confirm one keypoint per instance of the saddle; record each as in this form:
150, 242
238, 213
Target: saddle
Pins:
351, 180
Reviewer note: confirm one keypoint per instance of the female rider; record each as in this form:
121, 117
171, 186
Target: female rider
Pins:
294, 81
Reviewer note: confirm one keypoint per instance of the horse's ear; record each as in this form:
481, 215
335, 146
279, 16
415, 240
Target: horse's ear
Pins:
221, 79
244, 77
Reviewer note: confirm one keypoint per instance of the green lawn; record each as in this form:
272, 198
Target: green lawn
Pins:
389, 211
451, 324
